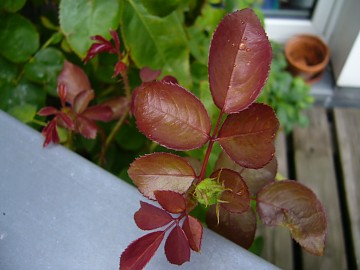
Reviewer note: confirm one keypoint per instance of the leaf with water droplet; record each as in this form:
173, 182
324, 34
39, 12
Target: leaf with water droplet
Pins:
237, 75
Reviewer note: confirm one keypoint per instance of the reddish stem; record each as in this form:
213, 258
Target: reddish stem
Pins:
209, 148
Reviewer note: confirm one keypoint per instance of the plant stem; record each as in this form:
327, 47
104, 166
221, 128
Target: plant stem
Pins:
111, 136
118, 125
209, 148
38, 122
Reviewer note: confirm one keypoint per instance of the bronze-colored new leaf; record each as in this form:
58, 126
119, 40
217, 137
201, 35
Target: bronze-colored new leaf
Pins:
248, 136
237, 227
139, 252
177, 248
291, 204
236, 197
171, 201
75, 80
171, 116
161, 171
255, 179
193, 230
239, 61
150, 217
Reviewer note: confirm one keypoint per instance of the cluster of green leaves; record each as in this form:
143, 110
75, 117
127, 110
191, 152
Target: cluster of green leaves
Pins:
288, 95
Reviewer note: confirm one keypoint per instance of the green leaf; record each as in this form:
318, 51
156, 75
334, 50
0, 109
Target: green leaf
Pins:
25, 113
18, 94
129, 138
158, 43
161, 8
45, 67
8, 71
12, 5
18, 38
81, 19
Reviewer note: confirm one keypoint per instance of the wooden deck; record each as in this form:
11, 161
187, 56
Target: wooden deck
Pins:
325, 156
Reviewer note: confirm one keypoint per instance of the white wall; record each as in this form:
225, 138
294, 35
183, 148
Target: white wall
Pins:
345, 45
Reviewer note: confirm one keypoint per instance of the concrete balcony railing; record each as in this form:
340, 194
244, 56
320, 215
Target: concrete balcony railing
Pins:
59, 211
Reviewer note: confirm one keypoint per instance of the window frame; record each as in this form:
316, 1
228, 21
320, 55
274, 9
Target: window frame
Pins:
280, 29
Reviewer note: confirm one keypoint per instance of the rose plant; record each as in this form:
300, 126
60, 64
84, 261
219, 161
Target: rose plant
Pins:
226, 164
239, 63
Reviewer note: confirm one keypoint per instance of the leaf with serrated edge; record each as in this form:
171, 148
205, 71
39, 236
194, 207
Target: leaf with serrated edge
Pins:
239, 61
236, 197
248, 136
177, 248
165, 111
139, 252
161, 171
291, 204
193, 230
237, 227
158, 43
150, 217
171, 201
255, 179
81, 19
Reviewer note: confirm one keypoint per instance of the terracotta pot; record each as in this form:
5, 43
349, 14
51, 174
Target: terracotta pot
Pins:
307, 57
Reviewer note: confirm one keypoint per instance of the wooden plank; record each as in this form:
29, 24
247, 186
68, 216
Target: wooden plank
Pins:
277, 240
314, 167
347, 123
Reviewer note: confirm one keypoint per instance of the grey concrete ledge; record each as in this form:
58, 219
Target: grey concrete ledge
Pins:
59, 211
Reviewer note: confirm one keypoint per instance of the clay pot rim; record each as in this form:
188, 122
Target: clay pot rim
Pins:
306, 68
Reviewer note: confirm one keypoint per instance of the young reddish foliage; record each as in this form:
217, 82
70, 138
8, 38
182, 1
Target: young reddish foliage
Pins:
236, 197
238, 227
150, 217
248, 136
103, 45
193, 230
60, 118
291, 204
179, 241
161, 171
149, 75
171, 201
177, 248
119, 106
75, 81
139, 252
239, 61
255, 179
75, 114
85, 116
165, 111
